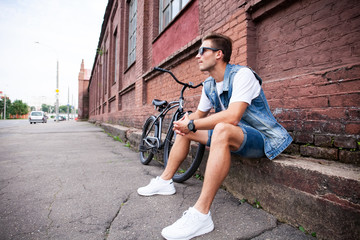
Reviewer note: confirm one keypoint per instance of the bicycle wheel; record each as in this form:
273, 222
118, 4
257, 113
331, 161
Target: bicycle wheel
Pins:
148, 143
190, 165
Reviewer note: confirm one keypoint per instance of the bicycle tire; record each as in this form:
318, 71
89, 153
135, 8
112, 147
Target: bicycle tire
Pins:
190, 165
147, 156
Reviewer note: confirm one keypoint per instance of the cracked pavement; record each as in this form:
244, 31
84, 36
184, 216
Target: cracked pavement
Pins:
70, 180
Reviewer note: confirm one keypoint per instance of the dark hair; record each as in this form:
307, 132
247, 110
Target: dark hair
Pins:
222, 42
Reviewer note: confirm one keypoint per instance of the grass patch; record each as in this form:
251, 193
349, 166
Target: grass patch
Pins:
301, 228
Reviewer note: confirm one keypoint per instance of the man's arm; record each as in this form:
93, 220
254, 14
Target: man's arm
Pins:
232, 115
198, 114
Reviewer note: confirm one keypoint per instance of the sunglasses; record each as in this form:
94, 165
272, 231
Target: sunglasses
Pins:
202, 50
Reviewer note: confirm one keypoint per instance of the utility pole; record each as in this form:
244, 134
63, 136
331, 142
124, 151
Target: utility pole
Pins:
57, 91
4, 106
68, 105
57, 81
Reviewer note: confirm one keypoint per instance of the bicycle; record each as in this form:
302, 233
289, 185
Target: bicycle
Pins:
151, 142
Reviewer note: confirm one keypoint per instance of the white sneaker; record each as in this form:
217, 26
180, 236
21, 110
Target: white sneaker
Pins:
190, 225
157, 186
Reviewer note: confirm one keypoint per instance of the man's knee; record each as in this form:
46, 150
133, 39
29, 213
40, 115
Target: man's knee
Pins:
222, 132
227, 134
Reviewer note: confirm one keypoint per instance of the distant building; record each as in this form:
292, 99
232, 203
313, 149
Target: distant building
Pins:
83, 105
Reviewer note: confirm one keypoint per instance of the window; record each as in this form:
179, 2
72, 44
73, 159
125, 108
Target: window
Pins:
168, 10
115, 62
132, 32
105, 72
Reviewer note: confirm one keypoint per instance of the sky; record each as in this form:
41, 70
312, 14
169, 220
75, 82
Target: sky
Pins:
67, 31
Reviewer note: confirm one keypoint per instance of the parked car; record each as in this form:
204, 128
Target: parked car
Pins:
61, 118
37, 116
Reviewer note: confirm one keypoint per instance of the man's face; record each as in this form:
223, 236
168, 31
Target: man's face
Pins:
207, 60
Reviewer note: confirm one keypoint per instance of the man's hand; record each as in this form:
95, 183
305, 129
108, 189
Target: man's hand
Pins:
181, 126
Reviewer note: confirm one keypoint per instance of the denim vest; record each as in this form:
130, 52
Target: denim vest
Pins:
256, 115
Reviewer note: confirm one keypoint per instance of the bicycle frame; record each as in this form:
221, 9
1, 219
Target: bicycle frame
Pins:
159, 122
156, 142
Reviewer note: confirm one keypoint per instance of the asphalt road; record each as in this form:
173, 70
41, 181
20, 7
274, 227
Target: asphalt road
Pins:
13, 123
70, 180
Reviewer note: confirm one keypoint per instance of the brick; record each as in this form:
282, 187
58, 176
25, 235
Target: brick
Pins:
293, 149
352, 128
305, 20
337, 87
345, 142
322, 13
343, 73
334, 127
304, 137
323, 141
319, 152
326, 114
352, 157
313, 102
353, 114
345, 100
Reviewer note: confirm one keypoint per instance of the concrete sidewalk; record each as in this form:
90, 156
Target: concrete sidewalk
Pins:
70, 180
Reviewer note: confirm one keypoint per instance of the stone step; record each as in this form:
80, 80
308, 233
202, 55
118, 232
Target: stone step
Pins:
321, 196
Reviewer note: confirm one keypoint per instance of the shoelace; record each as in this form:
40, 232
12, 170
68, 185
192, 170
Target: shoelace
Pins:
185, 218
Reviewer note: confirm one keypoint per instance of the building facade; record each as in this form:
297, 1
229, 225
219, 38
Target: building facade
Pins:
307, 52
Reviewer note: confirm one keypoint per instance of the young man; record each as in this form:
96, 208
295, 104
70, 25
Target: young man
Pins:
242, 124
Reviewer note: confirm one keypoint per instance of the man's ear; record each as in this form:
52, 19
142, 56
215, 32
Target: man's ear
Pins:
219, 55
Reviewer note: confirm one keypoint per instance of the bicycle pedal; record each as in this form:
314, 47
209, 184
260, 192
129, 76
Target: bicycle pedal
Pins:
143, 148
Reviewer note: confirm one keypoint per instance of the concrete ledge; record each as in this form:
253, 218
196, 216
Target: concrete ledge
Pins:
321, 196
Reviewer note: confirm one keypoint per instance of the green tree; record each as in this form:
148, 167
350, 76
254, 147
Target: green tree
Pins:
8, 104
18, 107
45, 108
63, 109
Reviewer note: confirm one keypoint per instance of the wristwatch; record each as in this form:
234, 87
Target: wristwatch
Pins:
191, 126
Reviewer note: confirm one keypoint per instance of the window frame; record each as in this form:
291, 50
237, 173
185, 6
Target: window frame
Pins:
116, 55
132, 6
169, 6
105, 69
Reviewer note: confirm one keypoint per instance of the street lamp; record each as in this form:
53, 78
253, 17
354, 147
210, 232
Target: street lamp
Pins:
57, 83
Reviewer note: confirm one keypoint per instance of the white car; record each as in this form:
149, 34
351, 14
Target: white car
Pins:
37, 116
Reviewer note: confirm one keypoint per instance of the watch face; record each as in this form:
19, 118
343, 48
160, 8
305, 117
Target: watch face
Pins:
191, 126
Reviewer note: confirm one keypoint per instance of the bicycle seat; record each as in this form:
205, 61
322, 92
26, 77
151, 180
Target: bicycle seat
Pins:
160, 103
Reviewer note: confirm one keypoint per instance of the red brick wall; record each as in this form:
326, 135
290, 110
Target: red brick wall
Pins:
307, 53
311, 70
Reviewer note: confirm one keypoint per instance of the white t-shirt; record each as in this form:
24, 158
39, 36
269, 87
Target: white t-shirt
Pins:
245, 88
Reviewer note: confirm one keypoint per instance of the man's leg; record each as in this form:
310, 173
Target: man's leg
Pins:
180, 150
225, 137
163, 185
197, 220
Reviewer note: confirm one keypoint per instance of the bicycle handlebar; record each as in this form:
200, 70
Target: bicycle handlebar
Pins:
189, 85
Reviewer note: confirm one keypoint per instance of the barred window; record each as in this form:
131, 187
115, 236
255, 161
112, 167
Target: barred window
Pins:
132, 32
168, 9
105, 62
115, 62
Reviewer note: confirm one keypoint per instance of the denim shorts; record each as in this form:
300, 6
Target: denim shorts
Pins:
252, 146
